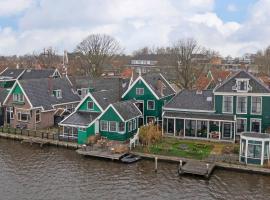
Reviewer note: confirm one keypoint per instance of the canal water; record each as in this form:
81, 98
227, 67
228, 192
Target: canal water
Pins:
29, 172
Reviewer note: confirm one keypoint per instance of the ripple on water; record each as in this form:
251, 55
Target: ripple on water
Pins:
29, 172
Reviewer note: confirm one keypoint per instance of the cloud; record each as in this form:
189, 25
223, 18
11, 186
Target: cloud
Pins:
232, 8
62, 25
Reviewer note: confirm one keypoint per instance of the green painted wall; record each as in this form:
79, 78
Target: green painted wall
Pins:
83, 135
17, 90
6, 84
147, 96
265, 116
83, 107
110, 115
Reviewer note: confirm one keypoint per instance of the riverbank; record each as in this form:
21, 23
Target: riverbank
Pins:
173, 159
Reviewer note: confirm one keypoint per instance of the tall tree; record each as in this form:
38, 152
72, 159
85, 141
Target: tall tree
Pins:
95, 50
263, 60
183, 56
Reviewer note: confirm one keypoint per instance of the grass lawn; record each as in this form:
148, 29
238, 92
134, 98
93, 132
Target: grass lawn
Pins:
180, 148
194, 149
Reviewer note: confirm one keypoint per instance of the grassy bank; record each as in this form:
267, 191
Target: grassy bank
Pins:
185, 148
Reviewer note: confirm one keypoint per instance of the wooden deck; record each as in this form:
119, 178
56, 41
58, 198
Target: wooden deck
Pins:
197, 168
100, 154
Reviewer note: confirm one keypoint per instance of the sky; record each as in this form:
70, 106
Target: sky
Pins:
231, 27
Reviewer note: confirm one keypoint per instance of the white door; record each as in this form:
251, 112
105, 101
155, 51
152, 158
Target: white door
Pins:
97, 126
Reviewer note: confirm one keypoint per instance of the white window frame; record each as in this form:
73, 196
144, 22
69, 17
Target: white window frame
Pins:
154, 105
223, 104
237, 111
58, 93
107, 125
124, 127
88, 107
139, 93
245, 128
254, 120
19, 97
150, 117
129, 126
116, 124
82, 129
252, 106
10, 110
23, 112
39, 116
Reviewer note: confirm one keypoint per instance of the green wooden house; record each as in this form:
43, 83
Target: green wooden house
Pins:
120, 120
239, 104
151, 91
83, 122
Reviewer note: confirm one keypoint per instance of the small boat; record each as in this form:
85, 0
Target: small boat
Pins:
130, 158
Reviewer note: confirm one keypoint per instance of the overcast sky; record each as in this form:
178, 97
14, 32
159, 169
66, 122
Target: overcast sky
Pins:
232, 27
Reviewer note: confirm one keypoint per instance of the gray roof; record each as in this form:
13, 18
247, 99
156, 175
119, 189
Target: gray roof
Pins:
256, 84
80, 118
106, 97
256, 135
37, 73
11, 74
210, 116
191, 100
127, 109
152, 80
39, 91
3, 94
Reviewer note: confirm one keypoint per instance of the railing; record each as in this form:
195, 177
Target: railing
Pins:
49, 134
135, 140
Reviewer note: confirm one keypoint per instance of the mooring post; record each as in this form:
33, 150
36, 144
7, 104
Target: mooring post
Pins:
207, 168
180, 166
156, 160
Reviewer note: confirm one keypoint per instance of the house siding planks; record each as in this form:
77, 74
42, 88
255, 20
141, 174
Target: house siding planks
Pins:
83, 135
148, 95
84, 107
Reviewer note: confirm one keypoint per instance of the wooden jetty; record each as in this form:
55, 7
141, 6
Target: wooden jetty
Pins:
39, 141
196, 168
100, 154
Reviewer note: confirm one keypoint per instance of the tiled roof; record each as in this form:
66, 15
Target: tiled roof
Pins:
37, 73
256, 135
39, 91
256, 84
106, 97
191, 100
3, 94
127, 109
11, 73
80, 118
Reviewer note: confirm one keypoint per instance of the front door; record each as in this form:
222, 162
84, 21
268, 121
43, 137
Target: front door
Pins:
140, 121
140, 106
227, 129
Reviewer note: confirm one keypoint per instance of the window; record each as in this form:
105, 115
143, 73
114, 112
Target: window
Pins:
150, 105
82, 129
242, 85
90, 105
241, 105
104, 125
57, 93
38, 114
18, 97
150, 120
113, 126
129, 126
79, 91
254, 149
255, 125
23, 116
121, 126
227, 104
256, 105
10, 112
241, 125
71, 132
139, 91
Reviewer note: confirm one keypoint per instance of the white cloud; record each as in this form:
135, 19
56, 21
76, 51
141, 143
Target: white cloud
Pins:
232, 8
135, 24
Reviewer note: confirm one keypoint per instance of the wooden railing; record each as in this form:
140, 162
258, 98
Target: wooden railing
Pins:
135, 140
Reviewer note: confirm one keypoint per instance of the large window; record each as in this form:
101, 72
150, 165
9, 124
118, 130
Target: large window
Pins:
139, 91
254, 150
242, 85
227, 104
255, 125
103, 125
256, 105
241, 125
241, 105
150, 105
23, 115
18, 97
113, 126
10, 112
38, 116
71, 132
122, 127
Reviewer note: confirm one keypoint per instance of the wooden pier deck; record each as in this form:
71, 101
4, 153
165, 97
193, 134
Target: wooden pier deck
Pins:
197, 168
100, 154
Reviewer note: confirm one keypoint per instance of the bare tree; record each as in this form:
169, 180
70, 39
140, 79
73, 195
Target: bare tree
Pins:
263, 60
183, 56
47, 58
95, 50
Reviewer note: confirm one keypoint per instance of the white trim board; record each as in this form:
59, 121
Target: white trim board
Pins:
93, 99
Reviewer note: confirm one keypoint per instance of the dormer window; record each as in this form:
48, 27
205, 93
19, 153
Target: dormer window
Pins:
242, 85
57, 94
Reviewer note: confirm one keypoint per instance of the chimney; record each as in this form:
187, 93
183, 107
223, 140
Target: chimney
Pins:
160, 87
50, 86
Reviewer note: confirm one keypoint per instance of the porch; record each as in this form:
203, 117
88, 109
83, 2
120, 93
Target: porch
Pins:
199, 126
